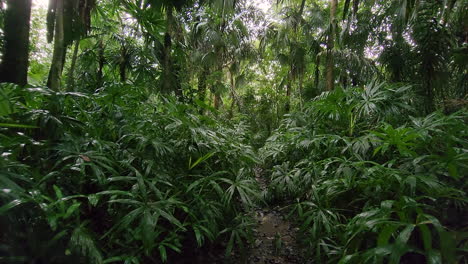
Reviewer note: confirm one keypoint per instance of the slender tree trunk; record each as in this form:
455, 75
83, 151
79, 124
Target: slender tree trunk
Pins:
58, 57
302, 7
168, 81
14, 67
217, 95
101, 62
122, 73
301, 84
317, 72
288, 93
217, 88
233, 95
331, 45
217, 100
344, 80
71, 71
428, 84
202, 86
177, 82
123, 63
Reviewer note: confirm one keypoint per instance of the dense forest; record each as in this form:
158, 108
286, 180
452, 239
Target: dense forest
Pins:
173, 131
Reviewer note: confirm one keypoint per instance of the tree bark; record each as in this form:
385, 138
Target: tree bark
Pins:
302, 7
167, 62
202, 86
234, 97
317, 72
331, 45
101, 62
71, 71
14, 67
288, 92
58, 57
123, 63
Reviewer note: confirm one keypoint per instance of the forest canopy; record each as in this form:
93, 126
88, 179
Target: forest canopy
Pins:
168, 131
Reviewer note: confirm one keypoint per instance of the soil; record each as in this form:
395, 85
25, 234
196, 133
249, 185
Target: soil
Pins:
274, 242
275, 236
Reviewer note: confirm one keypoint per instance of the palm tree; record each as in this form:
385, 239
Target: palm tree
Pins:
217, 44
14, 66
331, 45
67, 21
289, 42
58, 57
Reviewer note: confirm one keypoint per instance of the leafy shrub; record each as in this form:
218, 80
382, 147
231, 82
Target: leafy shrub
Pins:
117, 176
370, 183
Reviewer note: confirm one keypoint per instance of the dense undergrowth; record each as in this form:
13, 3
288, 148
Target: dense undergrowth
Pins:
118, 177
122, 176
369, 181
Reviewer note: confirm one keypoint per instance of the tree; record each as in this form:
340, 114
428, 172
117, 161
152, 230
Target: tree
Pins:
14, 67
58, 57
66, 21
331, 45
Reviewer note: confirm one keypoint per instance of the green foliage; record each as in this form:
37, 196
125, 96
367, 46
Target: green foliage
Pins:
369, 183
109, 176
113, 172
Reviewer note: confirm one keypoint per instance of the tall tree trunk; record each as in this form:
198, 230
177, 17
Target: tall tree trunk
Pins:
234, 98
202, 86
123, 63
14, 67
58, 57
71, 71
217, 100
177, 82
331, 45
302, 7
168, 81
216, 89
101, 62
317, 72
288, 92
344, 80
301, 85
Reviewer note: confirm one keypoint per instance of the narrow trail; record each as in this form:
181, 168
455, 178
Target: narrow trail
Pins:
274, 241
275, 236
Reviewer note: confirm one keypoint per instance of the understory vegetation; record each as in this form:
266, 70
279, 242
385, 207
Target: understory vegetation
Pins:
369, 182
153, 131
144, 177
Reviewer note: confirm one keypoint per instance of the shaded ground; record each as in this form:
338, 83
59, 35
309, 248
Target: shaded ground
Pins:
274, 241
275, 237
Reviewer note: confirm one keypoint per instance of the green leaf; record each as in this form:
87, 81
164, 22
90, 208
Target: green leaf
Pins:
448, 246
199, 160
11, 125
11, 205
401, 246
71, 209
426, 237
93, 199
385, 235
230, 244
163, 253
433, 257
170, 218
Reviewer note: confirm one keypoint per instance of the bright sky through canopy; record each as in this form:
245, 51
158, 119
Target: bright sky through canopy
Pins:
264, 5
41, 3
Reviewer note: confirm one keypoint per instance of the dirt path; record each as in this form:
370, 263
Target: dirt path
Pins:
274, 241
275, 237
